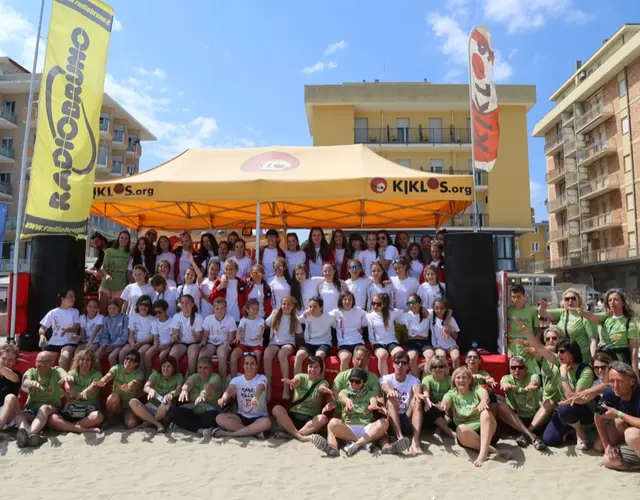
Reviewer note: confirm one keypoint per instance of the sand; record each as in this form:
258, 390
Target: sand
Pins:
139, 464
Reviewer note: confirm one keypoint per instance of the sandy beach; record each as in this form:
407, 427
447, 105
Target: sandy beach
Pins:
128, 465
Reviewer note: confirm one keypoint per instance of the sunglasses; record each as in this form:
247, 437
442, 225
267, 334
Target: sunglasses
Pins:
158, 311
437, 367
600, 368
381, 238
130, 360
473, 357
411, 303
376, 304
396, 261
355, 268
279, 268
355, 381
400, 362
551, 338
567, 299
517, 367
561, 351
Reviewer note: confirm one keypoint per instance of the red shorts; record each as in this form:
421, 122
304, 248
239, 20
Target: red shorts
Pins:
250, 348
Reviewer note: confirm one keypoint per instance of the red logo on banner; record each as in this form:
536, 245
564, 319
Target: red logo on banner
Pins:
118, 188
273, 161
378, 185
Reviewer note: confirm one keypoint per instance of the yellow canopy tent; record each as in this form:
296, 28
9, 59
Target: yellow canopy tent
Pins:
291, 187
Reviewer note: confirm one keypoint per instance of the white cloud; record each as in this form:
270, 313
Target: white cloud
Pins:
502, 70
335, 47
512, 53
117, 25
180, 93
452, 76
319, 67
529, 15
157, 72
18, 38
28, 51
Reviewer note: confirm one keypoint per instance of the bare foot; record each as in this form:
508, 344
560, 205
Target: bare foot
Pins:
480, 461
160, 428
415, 449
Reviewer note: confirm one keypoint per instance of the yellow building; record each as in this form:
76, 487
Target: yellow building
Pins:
532, 248
427, 127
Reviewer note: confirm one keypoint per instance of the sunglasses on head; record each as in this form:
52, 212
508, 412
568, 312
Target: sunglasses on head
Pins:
400, 362
355, 381
517, 367
411, 303
396, 261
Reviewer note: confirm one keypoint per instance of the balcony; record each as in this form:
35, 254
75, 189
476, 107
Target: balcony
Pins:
34, 115
118, 140
482, 180
7, 155
560, 234
592, 118
567, 120
530, 266
602, 221
555, 175
134, 149
106, 129
575, 210
466, 220
5, 188
116, 168
570, 147
594, 152
558, 204
8, 119
599, 186
565, 261
554, 144
432, 138
575, 243
605, 255
571, 177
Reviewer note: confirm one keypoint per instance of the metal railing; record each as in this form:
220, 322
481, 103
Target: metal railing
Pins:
554, 141
569, 146
592, 150
561, 233
566, 119
118, 136
135, 148
8, 152
605, 255
420, 135
10, 116
555, 174
599, 183
590, 116
558, 203
602, 220
466, 220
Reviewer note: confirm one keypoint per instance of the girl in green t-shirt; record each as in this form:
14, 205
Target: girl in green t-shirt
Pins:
475, 425
127, 379
163, 389
434, 386
114, 270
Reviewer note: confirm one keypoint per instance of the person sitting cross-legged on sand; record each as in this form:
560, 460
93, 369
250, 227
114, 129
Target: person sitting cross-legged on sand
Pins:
200, 393
306, 413
9, 387
356, 424
44, 386
434, 386
475, 425
82, 412
127, 379
360, 359
162, 389
249, 390
402, 394
522, 390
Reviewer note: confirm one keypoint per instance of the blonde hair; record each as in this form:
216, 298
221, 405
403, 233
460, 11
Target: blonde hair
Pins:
575, 292
462, 370
80, 355
440, 359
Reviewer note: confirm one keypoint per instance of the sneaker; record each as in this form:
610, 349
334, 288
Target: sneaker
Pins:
351, 449
36, 440
396, 448
22, 438
261, 436
206, 433
323, 445
215, 432
371, 448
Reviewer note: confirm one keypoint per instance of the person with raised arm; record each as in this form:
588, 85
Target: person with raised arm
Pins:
127, 380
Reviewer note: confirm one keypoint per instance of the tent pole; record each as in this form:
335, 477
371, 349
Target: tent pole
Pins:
258, 233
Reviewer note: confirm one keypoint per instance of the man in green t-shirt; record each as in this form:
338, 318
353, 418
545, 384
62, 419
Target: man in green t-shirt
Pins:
522, 390
517, 342
44, 385
127, 381
360, 359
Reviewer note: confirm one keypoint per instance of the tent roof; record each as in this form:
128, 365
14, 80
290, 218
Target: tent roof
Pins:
332, 186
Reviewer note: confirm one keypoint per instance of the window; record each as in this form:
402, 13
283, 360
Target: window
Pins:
116, 166
405, 163
632, 239
630, 202
105, 118
361, 132
627, 163
535, 230
10, 106
402, 125
622, 87
103, 153
118, 133
535, 246
435, 130
131, 169
5, 178
436, 166
625, 125
504, 253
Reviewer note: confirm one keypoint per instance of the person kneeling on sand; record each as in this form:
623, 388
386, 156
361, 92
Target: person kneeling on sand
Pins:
9, 387
249, 390
356, 425
43, 383
306, 413
127, 379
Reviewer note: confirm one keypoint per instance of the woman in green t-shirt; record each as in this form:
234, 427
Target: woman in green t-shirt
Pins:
163, 389
114, 270
82, 412
434, 386
127, 379
475, 425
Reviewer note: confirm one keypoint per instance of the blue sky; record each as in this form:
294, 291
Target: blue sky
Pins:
232, 74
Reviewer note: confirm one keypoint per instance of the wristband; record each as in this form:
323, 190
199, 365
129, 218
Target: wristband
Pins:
620, 415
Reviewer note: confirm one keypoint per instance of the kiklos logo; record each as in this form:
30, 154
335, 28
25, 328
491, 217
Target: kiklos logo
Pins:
273, 161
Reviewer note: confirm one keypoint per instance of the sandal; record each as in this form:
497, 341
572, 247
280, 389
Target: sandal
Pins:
539, 445
582, 445
522, 441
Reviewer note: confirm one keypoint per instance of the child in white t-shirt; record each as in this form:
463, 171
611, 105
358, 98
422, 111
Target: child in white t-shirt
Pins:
64, 322
250, 335
416, 320
91, 323
219, 331
444, 339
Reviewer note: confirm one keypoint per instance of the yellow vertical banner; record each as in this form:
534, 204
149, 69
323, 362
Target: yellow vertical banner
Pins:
69, 104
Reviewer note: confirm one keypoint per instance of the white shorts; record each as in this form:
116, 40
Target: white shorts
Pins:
359, 430
9, 425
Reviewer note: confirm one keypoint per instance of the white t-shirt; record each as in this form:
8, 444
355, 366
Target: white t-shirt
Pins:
339, 254
206, 287
315, 268
349, 325
359, 289
162, 330
402, 290
390, 253
141, 325
293, 259
282, 335
88, 325
257, 292
405, 389
58, 319
330, 295
279, 289
416, 327
375, 289
170, 295
253, 330
415, 271
269, 256
233, 309
132, 293
317, 330
244, 266
308, 290
378, 332
368, 257
436, 332
429, 293
183, 264
193, 290
246, 391
169, 257
219, 331
183, 324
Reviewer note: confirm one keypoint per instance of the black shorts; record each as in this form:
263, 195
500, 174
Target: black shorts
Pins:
299, 420
526, 421
74, 412
405, 424
494, 439
311, 349
388, 347
58, 348
350, 348
431, 415
246, 421
418, 345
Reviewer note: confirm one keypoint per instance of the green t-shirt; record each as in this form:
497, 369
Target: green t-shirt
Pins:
52, 393
437, 388
517, 342
614, 333
479, 381
464, 408
577, 384
551, 387
360, 415
120, 378
524, 403
163, 386
115, 263
341, 382
80, 383
575, 327
198, 385
311, 406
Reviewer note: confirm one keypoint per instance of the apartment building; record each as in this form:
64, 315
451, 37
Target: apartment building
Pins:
426, 126
592, 147
532, 248
118, 153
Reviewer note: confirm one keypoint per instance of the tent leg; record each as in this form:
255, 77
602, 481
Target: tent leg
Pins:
258, 233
